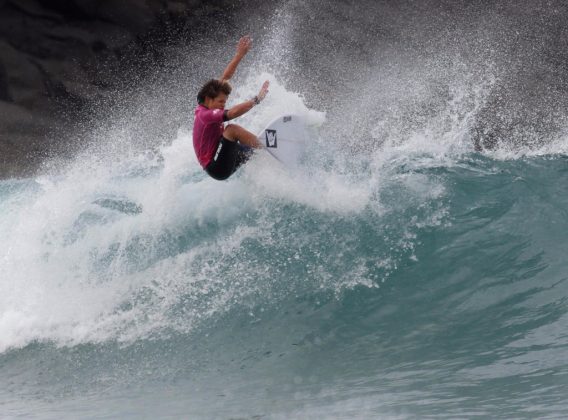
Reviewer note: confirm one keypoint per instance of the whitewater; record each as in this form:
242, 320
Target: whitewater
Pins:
400, 273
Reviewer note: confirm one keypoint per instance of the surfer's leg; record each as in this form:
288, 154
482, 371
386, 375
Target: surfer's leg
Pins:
224, 162
244, 153
235, 132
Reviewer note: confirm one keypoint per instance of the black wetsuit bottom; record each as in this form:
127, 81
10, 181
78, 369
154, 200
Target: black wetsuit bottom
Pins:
228, 157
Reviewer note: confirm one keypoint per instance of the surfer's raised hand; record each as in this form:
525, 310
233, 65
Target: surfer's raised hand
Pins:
263, 91
242, 108
244, 45
242, 49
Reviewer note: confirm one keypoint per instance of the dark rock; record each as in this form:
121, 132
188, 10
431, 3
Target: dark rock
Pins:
135, 15
4, 93
61, 59
22, 140
50, 57
34, 9
26, 85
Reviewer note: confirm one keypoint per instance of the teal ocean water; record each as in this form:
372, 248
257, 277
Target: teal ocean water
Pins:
398, 273
423, 279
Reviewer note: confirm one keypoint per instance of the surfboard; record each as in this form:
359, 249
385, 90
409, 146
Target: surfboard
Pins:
285, 139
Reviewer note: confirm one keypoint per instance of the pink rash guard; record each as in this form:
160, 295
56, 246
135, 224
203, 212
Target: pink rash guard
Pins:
207, 132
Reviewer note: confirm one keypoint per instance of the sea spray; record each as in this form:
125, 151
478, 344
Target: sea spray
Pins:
400, 273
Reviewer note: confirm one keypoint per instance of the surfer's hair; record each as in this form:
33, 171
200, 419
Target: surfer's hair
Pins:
212, 89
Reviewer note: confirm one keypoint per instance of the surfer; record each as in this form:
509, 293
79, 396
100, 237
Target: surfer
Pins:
221, 150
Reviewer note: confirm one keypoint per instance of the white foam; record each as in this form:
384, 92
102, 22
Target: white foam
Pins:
67, 275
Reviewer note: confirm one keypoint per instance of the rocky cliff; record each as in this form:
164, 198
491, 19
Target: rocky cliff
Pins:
59, 57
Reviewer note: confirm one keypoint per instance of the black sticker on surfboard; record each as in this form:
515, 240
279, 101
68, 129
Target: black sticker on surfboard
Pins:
271, 140
287, 118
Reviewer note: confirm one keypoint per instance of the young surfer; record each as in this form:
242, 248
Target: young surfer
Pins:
221, 150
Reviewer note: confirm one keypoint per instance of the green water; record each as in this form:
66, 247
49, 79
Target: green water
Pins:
442, 294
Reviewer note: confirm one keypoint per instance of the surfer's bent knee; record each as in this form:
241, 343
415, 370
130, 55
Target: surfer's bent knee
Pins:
230, 132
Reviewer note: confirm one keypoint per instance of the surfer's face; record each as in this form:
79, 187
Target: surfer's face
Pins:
218, 102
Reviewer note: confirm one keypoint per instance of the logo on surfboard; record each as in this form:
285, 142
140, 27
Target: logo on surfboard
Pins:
271, 140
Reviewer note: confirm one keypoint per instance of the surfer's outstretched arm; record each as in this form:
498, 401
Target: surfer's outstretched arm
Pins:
243, 48
244, 107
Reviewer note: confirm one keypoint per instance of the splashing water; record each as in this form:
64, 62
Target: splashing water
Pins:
399, 273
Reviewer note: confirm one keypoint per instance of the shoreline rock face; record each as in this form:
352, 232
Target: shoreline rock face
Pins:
59, 58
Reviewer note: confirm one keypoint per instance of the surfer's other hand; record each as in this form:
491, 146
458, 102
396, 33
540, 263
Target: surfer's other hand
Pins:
244, 45
263, 90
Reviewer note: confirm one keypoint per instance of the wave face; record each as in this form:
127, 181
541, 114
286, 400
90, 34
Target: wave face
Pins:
400, 273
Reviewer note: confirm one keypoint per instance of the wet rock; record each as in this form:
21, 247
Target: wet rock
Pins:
4, 93
58, 58
22, 140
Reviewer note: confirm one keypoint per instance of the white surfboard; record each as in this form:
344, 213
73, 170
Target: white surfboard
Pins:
285, 139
